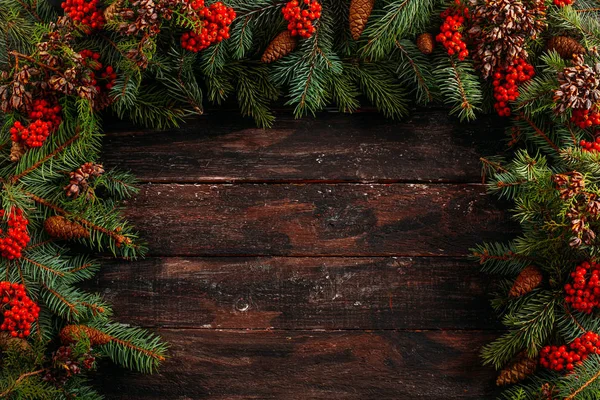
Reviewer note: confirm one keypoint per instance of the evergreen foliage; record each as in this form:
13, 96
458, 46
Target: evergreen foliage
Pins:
159, 84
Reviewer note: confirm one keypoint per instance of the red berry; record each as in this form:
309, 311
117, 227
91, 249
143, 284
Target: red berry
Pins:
450, 35
562, 3
215, 21
85, 12
300, 17
506, 82
18, 311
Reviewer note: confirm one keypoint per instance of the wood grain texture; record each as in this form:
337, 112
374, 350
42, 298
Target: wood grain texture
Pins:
299, 293
328, 365
310, 261
316, 219
430, 146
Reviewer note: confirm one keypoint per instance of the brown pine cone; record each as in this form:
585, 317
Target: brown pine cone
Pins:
73, 333
565, 46
360, 11
112, 11
17, 151
281, 46
426, 43
92, 169
61, 228
530, 278
517, 371
79, 178
579, 86
7, 342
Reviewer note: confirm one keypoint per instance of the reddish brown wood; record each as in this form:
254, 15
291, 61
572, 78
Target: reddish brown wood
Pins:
430, 146
299, 293
214, 364
316, 219
314, 305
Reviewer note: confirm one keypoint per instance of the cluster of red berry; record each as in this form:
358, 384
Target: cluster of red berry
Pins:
562, 3
300, 20
106, 76
583, 294
16, 235
215, 20
590, 146
450, 35
506, 81
19, 310
85, 12
585, 118
563, 358
47, 110
46, 118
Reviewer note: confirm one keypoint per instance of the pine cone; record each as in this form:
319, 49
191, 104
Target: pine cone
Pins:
7, 342
17, 151
92, 169
426, 43
517, 371
79, 178
61, 228
569, 184
112, 11
565, 46
360, 11
501, 29
579, 86
281, 46
73, 333
530, 278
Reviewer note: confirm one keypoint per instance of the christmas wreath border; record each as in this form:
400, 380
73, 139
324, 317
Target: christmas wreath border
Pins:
58, 74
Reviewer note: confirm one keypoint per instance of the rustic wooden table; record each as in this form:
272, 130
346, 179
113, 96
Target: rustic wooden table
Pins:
322, 259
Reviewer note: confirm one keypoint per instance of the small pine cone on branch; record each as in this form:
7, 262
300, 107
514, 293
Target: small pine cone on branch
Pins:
517, 371
281, 46
529, 279
73, 333
7, 342
579, 86
17, 151
360, 11
565, 46
61, 228
426, 43
112, 11
79, 178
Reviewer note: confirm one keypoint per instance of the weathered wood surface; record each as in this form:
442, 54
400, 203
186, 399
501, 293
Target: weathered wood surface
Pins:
316, 219
299, 293
327, 365
429, 146
323, 259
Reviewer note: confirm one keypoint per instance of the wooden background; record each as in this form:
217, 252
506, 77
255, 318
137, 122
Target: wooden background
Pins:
321, 259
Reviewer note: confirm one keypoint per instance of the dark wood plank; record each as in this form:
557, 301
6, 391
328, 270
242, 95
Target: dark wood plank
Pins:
430, 146
299, 293
316, 219
329, 365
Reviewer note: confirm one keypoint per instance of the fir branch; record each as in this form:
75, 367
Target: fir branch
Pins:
19, 380
461, 88
397, 20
